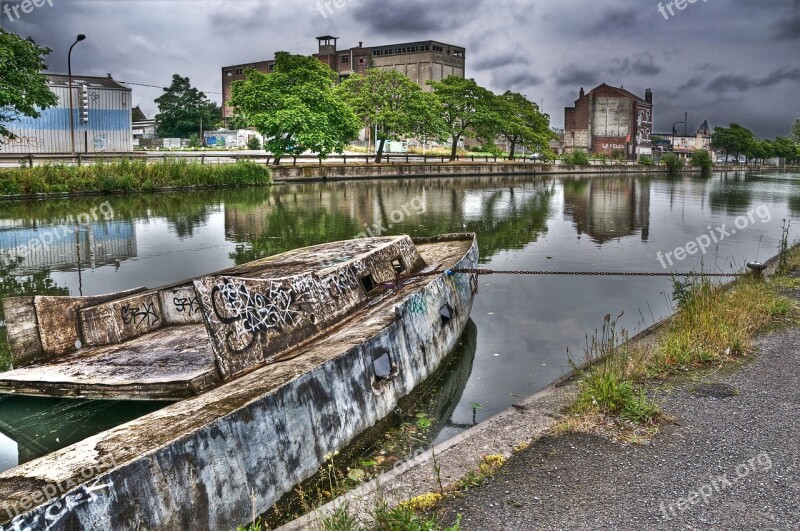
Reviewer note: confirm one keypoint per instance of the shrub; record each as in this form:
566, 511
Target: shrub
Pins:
194, 141
646, 160
576, 158
702, 159
253, 143
672, 161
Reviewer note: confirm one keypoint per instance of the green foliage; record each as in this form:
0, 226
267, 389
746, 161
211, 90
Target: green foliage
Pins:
23, 89
400, 518
673, 162
796, 131
466, 107
702, 159
606, 386
194, 140
295, 107
521, 123
253, 143
646, 160
129, 176
576, 157
735, 140
182, 108
392, 102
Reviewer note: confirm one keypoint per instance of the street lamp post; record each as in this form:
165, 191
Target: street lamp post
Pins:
80, 37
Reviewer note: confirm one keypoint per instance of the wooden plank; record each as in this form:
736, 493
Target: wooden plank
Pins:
23, 331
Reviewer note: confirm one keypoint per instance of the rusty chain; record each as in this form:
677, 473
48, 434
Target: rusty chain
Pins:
593, 273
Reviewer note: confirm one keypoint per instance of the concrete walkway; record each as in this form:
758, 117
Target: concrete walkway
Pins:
726, 463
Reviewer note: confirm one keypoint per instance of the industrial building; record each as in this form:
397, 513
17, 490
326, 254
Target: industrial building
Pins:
101, 110
421, 61
609, 119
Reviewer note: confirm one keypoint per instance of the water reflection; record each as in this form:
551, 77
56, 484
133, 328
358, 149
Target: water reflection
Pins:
608, 209
526, 323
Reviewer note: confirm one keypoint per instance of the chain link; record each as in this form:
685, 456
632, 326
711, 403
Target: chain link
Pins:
593, 273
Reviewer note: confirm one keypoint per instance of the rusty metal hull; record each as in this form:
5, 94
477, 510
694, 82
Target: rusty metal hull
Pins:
208, 462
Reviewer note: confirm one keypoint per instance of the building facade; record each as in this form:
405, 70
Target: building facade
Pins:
421, 62
610, 120
101, 110
685, 145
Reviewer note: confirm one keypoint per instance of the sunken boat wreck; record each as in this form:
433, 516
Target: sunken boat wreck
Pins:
274, 364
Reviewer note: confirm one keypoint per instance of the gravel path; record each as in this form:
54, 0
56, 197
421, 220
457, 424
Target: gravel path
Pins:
727, 463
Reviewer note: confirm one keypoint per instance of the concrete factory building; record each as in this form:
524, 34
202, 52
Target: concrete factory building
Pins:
421, 61
101, 110
609, 119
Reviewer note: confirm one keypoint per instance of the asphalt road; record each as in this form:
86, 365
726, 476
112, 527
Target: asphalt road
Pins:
726, 463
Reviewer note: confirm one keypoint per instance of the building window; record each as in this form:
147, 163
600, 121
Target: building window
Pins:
239, 71
345, 59
361, 61
271, 68
229, 73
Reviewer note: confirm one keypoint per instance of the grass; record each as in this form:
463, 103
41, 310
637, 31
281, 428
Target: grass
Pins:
129, 176
714, 326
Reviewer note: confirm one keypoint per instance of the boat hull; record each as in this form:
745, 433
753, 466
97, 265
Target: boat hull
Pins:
209, 462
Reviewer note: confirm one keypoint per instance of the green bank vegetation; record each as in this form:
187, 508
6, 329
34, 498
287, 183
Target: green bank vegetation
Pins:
714, 326
129, 176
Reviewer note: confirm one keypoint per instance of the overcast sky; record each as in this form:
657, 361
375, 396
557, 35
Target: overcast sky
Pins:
721, 60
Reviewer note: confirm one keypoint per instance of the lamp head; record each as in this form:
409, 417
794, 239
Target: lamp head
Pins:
81, 37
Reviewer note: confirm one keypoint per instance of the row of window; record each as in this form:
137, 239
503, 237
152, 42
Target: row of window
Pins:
413, 49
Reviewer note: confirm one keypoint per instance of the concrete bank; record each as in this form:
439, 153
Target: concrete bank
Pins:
730, 460
513, 499
309, 173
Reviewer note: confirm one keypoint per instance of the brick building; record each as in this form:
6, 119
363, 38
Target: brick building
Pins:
420, 61
609, 119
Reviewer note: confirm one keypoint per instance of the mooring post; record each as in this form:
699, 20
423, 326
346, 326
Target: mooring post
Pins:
757, 268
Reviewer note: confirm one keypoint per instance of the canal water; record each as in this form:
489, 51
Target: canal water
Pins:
525, 328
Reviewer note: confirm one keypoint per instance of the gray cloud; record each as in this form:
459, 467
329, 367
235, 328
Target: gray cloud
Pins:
741, 83
719, 60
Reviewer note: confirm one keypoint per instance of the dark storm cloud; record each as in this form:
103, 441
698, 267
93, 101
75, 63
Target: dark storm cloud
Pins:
413, 16
741, 83
573, 75
719, 60
643, 65
615, 21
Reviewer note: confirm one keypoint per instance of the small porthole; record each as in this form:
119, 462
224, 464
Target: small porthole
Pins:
367, 283
446, 314
383, 367
399, 266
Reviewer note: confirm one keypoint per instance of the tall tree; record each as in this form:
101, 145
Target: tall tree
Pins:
466, 108
23, 88
521, 123
735, 140
796, 131
390, 102
295, 107
182, 109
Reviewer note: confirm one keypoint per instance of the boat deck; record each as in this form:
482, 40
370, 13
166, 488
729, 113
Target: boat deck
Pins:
178, 362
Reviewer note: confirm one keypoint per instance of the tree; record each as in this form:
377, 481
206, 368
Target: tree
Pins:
23, 89
392, 102
182, 109
796, 131
466, 107
295, 107
735, 140
784, 148
521, 123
